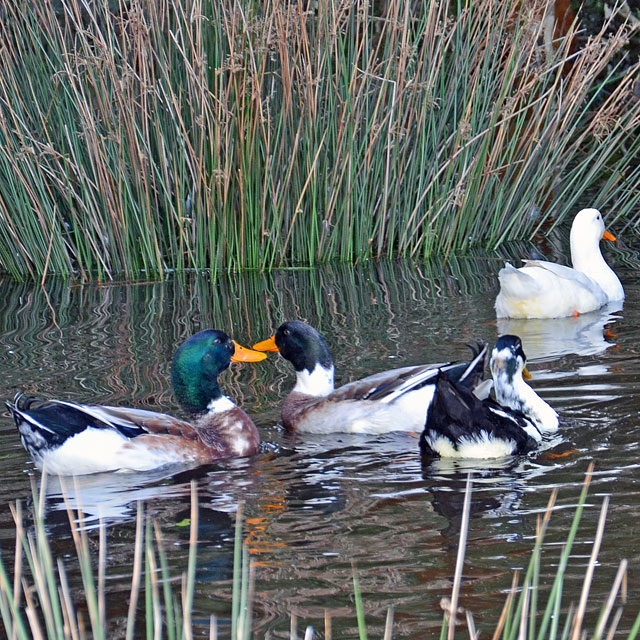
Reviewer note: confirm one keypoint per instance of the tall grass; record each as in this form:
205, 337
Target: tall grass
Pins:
533, 612
36, 601
234, 134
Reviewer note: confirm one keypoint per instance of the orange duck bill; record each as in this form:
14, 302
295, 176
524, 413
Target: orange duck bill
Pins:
267, 345
242, 354
608, 236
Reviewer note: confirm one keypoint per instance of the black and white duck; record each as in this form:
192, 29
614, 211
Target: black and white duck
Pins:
460, 425
393, 400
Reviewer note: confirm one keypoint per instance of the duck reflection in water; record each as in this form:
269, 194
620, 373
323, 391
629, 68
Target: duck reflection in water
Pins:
584, 335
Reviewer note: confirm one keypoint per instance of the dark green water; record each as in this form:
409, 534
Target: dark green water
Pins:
314, 505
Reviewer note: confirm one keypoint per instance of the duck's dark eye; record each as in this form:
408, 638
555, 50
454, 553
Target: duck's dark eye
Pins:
217, 341
287, 332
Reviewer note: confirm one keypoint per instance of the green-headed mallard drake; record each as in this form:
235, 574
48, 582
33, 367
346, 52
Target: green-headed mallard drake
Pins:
459, 425
543, 289
394, 400
66, 438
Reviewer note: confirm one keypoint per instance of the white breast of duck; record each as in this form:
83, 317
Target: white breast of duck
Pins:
586, 232
507, 366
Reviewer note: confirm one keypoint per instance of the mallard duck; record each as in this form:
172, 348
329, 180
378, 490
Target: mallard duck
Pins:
548, 290
66, 438
394, 400
459, 425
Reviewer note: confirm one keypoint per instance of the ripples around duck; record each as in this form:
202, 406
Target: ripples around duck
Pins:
315, 505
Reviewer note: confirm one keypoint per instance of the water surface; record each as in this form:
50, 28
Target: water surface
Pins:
316, 504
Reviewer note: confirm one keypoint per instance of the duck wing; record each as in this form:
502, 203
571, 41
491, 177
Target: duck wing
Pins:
566, 273
57, 420
386, 386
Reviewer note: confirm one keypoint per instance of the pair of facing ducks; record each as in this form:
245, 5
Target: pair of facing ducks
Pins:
447, 404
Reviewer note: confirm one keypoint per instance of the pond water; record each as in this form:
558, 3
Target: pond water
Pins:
315, 505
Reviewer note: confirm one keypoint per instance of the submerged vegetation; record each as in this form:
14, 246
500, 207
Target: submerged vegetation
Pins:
37, 602
229, 134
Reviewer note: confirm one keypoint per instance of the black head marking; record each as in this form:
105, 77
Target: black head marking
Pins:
513, 343
303, 346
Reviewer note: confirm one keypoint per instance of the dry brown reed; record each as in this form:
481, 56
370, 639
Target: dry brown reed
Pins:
173, 134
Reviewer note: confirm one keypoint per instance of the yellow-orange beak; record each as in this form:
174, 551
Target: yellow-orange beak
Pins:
242, 354
267, 345
608, 236
526, 374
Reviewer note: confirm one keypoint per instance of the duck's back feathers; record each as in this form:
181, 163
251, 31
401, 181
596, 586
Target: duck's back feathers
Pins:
394, 400
461, 425
387, 386
572, 278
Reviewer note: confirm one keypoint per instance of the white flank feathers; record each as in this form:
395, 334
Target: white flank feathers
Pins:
481, 446
77, 455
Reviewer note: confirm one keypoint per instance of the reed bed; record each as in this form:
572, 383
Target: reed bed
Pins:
143, 137
36, 602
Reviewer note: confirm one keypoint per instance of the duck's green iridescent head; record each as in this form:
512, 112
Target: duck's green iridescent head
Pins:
197, 364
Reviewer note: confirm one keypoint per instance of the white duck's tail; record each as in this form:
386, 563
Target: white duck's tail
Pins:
516, 283
515, 286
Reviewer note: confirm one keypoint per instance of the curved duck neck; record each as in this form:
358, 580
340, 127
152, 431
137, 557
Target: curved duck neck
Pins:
586, 258
511, 391
516, 394
590, 262
198, 394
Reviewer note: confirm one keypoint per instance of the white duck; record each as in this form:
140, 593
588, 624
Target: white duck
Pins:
543, 289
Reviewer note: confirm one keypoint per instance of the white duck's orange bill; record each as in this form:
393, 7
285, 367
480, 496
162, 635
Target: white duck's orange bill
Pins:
608, 236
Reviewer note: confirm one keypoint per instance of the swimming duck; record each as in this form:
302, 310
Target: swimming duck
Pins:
459, 425
66, 438
394, 400
543, 289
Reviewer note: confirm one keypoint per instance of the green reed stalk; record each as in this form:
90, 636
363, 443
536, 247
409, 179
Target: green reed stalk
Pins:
237, 569
357, 596
553, 604
190, 577
230, 135
169, 601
